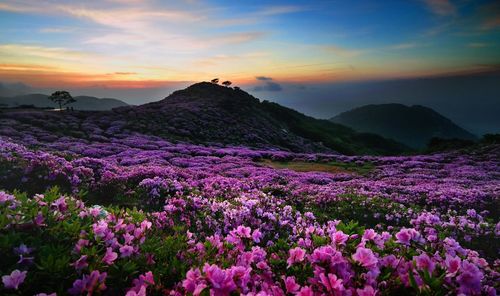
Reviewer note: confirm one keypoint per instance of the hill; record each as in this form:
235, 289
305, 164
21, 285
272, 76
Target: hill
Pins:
414, 125
209, 113
213, 115
82, 102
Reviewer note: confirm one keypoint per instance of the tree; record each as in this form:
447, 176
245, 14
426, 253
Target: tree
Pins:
215, 81
227, 83
62, 98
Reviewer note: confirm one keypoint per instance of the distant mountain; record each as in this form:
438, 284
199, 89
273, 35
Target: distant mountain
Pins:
82, 102
413, 126
209, 113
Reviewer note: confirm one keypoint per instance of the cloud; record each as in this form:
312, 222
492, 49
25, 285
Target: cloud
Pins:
441, 7
124, 73
276, 10
57, 30
343, 52
268, 85
42, 51
491, 23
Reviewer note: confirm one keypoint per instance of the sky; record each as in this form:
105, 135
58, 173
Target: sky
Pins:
140, 50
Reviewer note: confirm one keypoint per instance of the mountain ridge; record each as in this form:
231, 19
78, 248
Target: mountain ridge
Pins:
412, 125
88, 103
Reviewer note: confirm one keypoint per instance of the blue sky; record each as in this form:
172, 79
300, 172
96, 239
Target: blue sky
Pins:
141, 44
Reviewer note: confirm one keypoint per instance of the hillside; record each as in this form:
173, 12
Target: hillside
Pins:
413, 126
82, 102
208, 113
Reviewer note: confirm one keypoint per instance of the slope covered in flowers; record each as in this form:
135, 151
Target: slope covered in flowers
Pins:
117, 212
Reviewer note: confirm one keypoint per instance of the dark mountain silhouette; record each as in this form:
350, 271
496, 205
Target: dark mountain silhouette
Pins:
414, 126
82, 102
210, 113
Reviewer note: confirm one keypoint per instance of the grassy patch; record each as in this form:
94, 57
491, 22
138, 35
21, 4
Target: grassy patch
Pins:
328, 167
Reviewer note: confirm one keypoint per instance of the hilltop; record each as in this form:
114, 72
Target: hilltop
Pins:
210, 113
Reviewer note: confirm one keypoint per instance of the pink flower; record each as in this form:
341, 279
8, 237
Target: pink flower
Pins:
403, 236
365, 257
369, 234
452, 264
339, 238
194, 282
424, 263
243, 231
13, 280
140, 292
81, 263
296, 255
290, 285
4, 197
220, 280
305, 291
366, 291
126, 251
110, 256
241, 275
331, 283
141, 284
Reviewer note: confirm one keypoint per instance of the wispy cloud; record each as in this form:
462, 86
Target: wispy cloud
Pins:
276, 10
343, 52
402, 46
58, 53
441, 7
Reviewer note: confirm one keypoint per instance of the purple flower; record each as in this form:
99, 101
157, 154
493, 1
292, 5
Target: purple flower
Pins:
469, 279
89, 283
4, 197
126, 251
13, 280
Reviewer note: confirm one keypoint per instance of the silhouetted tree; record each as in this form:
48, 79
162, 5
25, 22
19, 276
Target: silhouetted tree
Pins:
215, 81
237, 88
62, 98
227, 83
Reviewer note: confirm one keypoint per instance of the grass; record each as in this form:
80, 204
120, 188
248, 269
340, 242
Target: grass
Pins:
328, 167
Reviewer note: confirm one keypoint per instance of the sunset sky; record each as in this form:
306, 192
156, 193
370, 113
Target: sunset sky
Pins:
127, 44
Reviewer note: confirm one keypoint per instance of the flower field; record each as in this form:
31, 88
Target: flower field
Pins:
112, 211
